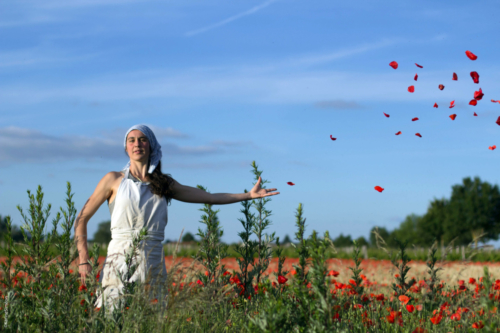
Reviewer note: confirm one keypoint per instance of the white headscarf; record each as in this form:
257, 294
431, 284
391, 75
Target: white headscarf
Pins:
154, 145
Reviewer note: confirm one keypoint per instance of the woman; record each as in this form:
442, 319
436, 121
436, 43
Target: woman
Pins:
138, 197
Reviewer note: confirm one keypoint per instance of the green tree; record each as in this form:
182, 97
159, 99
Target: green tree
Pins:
188, 237
16, 233
103, 233
407, 231
286, 240
342, 241
361, 241
383, 232
431, 226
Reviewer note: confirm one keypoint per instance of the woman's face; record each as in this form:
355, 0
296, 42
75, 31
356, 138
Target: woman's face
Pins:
138, 146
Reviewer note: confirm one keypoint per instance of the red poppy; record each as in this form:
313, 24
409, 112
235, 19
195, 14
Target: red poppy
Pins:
416, 77
456, 316
436, 105
331, 137
378, 188
453, 116
436, 319
411, 89
290, 183
82, 302
82, 288
333, 273
478, 325
410, 308
403, 298
398, 133
455, 77
471, 55
282, 279
475, 76
478, 95
393, 64
385, 114
418, 134
414, 119
452, 104
472, 280
441, 87
475, 114
419, 65
199, 282
473, 102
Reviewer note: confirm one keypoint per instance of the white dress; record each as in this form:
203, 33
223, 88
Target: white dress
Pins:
136, 207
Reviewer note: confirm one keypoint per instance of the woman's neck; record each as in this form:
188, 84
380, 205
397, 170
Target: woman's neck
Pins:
139, 170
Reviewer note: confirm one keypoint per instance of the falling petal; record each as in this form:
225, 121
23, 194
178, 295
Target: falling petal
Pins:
393, 64
452, 104
414, 119
441, 87
475, 76
411, 89
455, 77
478, 95
378, 188
419, 65
416, 77
492, 147
418, 134
385, 114
453, 116
473, 102
331, 137
475, 114
435, 105
498, 121
398, 133
494, 101
471, 55
290, 183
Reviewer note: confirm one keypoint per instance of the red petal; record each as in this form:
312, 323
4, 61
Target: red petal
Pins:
492, 147
452, 104
331, 137
498, 121
473, 102
411, 89
478, 95
398, 133
453, 116
435, 105
418, 134
475, 76
441, 87
290, 183
385, 114
494, 101
378, 188
475, 114
393, 64
416, 77
419, 65
471, 55
414, 119
455, 77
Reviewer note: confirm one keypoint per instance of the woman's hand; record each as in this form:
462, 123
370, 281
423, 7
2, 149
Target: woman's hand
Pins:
258, 192
84, 271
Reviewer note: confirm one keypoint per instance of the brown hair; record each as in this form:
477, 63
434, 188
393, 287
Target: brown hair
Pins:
160, 183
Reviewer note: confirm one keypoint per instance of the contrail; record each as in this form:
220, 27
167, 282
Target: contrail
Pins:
230, 19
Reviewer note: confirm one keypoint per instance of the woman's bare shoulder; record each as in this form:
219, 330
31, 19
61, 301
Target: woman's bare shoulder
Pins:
113, 176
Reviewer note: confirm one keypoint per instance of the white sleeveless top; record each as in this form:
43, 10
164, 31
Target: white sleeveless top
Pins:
135, 207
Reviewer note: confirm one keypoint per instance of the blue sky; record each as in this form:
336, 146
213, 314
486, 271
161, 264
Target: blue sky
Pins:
224, 83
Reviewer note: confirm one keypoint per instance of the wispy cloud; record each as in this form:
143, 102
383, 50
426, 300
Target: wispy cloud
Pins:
230, 19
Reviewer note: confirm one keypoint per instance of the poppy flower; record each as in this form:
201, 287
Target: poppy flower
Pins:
436, 319
473, 102
410, 308
456, 316
478, 325
498, 121
453, 116
331, 137
441, 87
282, 279
82, 288
411, 89
199, 282
419, 65
333, 273
478, 95
414, 119
492, 147
436, 105
418, 134
385, 114
393, 64
475, 76
398, 133
416, 77
471, 55
403, 298
455, 77
290, 183
475, 114
472, 280
452, 104
378, 188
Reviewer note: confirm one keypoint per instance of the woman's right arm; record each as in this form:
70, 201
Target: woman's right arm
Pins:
102, 192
